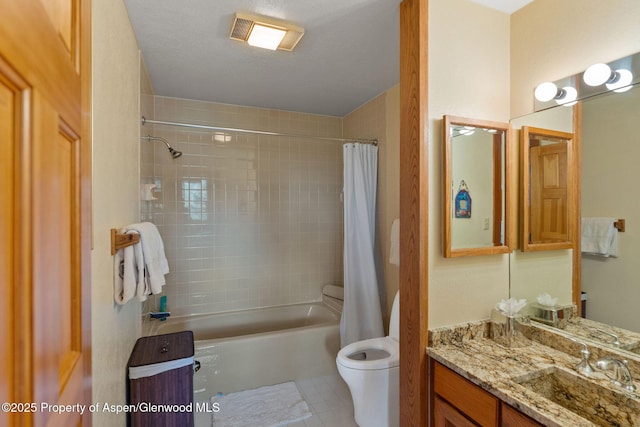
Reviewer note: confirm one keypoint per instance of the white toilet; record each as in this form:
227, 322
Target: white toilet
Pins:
371, 370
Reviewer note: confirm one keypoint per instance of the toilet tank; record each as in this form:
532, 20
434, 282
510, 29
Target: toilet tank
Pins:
394, 320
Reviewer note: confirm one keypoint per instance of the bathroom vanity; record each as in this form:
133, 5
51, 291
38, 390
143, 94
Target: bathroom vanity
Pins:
457, 400
476, 381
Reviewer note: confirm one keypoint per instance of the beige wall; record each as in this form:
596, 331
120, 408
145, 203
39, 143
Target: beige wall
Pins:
380, 119
553, 39
469, 77
115, 196
479, 57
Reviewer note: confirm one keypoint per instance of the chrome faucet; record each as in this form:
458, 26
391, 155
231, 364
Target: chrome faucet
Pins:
615, 340
584, 367
621, 374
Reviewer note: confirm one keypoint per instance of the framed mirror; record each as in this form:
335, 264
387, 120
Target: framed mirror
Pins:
548, 189
478, 169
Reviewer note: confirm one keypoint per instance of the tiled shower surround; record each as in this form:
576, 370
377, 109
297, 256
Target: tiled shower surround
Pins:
247, 220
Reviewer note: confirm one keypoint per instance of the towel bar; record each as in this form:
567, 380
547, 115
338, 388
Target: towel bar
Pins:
119, 240
619, 224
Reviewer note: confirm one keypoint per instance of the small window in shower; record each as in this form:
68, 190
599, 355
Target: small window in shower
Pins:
195, 197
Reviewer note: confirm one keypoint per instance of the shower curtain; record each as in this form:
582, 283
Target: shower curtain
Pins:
361, 313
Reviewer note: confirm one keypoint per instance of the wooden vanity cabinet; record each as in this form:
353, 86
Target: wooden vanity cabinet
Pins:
473, 405
511, 417
446, 415
457, 402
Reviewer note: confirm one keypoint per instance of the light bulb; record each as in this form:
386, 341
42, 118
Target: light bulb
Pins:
597, 74
569, 96
546, 91
623, 84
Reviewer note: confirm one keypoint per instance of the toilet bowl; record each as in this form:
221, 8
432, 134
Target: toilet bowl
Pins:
371, 370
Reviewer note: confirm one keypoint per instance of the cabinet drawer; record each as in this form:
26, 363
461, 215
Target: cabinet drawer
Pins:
468, 398
513, 418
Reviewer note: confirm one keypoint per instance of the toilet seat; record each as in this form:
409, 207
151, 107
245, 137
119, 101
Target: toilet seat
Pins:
386, 344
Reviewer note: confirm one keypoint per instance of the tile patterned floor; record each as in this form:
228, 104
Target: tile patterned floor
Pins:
328, 398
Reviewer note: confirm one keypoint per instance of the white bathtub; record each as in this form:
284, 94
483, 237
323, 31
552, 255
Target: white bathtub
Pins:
247, 349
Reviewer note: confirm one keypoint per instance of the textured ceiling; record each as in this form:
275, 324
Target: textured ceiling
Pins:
348, 55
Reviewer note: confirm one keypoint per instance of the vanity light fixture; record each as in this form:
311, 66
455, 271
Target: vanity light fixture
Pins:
619, 75
547, 91
624, 81
601, 74
265, 32
598, 74
569, 96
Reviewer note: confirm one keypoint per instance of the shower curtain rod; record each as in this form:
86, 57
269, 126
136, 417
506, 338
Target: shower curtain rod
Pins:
260, 132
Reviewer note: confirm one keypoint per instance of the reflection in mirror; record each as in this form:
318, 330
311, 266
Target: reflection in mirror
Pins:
551, 272
477, 170
548, 182
610, 153
608, 163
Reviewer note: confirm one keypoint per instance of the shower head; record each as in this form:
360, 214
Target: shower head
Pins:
174, 153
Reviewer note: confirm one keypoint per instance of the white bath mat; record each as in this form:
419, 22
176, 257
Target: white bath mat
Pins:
270, 406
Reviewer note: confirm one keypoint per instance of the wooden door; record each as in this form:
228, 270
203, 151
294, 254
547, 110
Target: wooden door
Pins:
45, 82
549, 193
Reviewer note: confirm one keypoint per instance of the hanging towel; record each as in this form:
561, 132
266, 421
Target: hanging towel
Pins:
394, 252
599, 237
155, 261
130, 274
124, 285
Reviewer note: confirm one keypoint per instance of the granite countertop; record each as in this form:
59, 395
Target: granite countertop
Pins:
498, 370
602, 333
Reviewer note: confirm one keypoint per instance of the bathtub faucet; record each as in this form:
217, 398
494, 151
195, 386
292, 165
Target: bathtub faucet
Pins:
162, 315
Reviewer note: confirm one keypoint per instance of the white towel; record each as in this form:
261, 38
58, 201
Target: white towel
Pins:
155, 261
129, 274
394, 252
599, 237
124, 285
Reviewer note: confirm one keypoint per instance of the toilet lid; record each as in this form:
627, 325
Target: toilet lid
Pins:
382, 353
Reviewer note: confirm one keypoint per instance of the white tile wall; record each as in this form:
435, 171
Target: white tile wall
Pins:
247, 220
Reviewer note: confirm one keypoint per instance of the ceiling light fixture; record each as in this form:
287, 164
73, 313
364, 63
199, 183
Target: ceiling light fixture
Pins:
265, 32
265, 36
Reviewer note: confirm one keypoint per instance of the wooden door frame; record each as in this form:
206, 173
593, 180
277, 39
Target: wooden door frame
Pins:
414, 209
